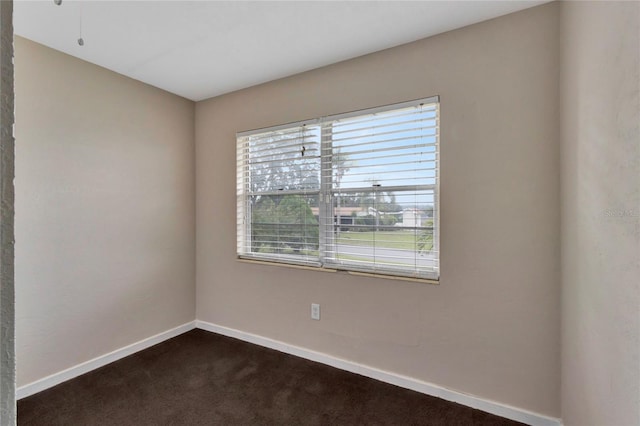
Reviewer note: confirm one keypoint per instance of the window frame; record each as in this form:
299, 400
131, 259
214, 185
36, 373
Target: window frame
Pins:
325, 194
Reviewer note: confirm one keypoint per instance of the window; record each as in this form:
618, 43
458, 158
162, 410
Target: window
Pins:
355, 191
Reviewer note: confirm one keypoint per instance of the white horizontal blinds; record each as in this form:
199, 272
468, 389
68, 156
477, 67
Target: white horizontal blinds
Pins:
395, 148
283, 160
242, 191
356, 191
278, 191
384, 178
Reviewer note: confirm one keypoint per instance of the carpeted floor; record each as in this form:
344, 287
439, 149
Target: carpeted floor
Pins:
201, 378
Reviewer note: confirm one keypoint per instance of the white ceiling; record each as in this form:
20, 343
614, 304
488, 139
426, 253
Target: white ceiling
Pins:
200, 49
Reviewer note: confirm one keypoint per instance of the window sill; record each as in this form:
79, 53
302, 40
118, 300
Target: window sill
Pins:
356, 273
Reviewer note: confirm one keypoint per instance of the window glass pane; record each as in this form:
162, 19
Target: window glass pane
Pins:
284, 160
386, 230
285, 224
390, 148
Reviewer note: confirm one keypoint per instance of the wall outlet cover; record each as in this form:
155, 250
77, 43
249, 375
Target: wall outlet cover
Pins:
315, 311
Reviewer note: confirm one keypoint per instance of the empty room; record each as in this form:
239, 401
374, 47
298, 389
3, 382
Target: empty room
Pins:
320, 213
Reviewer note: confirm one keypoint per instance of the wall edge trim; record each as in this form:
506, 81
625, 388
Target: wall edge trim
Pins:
493, 407
100, 361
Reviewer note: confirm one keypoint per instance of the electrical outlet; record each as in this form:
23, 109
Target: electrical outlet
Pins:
315, 311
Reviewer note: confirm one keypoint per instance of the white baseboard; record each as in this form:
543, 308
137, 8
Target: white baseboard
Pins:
85, 367
488, 406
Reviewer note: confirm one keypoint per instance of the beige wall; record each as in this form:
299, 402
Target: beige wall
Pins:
601, 213
104, 211
491, 328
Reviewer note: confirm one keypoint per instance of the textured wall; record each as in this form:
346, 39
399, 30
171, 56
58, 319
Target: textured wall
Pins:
601, 213
105, 233
492, 327
7, 352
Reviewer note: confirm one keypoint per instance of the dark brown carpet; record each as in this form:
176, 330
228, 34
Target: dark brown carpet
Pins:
201, 378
